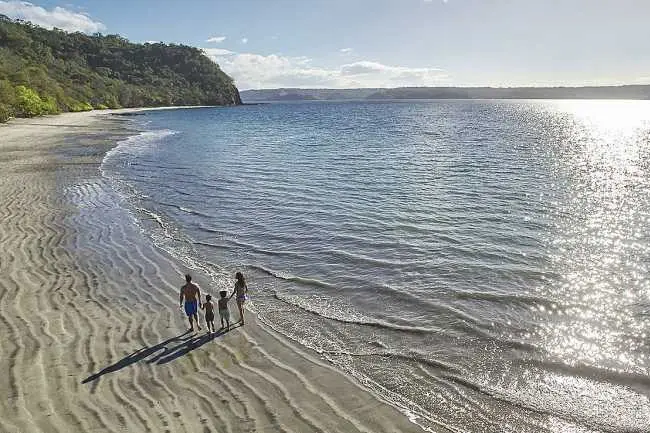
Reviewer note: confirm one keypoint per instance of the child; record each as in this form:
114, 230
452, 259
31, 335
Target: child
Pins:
224, 313
241, 290
209, 312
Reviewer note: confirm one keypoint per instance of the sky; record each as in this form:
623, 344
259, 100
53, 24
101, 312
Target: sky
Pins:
381, 43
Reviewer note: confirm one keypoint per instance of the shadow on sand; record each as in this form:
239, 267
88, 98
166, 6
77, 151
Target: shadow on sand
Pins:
162, 353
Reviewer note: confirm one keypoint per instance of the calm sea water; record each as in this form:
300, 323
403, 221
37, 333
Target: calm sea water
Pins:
481, 264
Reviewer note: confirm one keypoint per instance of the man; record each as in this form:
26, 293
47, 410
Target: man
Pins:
192, 295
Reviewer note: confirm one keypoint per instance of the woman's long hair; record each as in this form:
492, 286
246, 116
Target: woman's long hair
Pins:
240, 278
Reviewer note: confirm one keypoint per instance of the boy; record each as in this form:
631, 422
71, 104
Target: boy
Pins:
209, 313
224, 313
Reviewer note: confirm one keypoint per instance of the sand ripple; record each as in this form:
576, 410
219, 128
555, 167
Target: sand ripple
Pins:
93, 339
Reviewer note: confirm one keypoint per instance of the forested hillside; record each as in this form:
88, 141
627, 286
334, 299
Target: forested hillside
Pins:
49, 71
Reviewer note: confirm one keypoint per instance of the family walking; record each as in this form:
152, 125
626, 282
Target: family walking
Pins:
191, 293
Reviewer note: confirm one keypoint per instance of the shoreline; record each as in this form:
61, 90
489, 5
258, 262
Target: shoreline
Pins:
95, 341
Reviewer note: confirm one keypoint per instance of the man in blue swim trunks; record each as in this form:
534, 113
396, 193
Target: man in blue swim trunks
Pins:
192, 294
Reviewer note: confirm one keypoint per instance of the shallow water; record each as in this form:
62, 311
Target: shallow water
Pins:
481, 264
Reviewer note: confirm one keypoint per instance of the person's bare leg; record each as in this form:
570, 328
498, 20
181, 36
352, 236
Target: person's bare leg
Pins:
240, 305
191, 323
198, 325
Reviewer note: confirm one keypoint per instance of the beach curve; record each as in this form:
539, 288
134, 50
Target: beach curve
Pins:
94, 340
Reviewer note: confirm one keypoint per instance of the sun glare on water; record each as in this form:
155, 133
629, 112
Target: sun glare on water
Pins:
600, 250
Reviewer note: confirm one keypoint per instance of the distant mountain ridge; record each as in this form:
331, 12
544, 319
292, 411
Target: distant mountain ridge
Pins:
590, 92
49, 71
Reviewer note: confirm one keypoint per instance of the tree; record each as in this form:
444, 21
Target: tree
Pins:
7, 93
28, 103
6, 113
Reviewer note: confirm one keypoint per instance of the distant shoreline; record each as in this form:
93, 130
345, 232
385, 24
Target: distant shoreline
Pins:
625, 92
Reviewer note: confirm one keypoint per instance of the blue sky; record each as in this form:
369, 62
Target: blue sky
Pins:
382, 43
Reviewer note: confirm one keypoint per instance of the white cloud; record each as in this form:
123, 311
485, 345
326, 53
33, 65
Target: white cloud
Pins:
58, 17
346, 50
152, 42
244, 40
216, 39
363, 67
216, 52
255, 71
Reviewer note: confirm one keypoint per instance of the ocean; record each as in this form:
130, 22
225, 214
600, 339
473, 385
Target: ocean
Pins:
482, 265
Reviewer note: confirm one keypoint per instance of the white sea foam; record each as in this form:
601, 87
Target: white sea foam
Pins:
163, 233
137, 144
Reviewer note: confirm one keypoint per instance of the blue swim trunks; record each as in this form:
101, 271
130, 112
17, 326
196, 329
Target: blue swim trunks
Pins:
191, 307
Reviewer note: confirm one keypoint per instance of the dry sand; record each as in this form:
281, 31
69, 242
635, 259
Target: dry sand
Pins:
92, 338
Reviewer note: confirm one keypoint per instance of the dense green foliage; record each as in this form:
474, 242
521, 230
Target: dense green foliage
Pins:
48, 71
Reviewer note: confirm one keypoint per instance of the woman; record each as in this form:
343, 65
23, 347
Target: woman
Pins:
241, 292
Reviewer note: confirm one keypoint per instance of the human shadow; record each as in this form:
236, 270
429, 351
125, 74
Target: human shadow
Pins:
138, 355
188, 345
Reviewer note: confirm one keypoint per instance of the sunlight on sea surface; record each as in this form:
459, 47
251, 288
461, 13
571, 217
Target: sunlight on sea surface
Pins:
606, 227
601, 243
613, 133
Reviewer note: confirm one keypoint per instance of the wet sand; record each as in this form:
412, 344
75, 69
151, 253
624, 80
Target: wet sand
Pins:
93, 339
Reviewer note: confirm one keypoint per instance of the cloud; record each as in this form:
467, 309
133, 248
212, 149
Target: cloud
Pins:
393, 73
244, 40
256, 71
346, 50
363, 67
214, 53
216, 39
58, 17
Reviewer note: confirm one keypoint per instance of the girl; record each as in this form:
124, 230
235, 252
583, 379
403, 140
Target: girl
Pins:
241, 291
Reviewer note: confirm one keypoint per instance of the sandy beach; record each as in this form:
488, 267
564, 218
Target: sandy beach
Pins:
93, 339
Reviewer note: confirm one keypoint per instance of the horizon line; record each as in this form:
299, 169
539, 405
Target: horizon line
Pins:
598, 86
